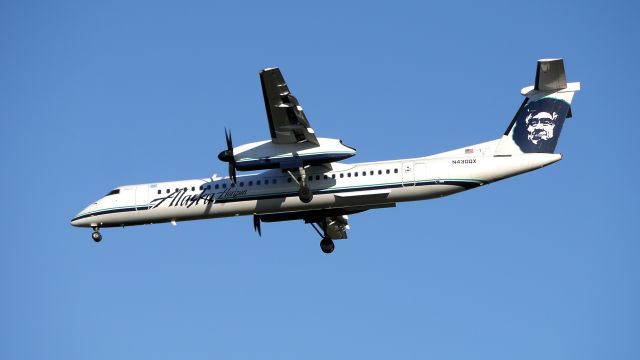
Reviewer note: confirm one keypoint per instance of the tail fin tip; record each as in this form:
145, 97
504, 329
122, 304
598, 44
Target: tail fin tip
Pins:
550, 75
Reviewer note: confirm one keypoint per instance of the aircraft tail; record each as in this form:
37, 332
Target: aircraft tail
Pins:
536, 126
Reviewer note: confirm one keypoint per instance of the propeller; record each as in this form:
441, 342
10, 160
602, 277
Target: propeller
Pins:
256, 224
227, 155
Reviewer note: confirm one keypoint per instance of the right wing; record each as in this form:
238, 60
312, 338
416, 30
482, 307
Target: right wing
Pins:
287, 122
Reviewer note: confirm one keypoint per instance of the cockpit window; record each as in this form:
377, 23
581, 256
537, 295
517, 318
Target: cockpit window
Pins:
114, 192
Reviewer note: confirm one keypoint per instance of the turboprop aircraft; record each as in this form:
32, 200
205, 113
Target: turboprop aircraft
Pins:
303, 176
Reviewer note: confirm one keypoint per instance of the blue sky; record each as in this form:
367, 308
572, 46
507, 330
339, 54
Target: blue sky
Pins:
99, 94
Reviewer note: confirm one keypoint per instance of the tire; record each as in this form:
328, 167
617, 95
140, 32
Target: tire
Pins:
327, 246
305, 195
96, 236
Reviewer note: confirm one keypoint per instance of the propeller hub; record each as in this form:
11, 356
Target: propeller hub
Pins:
225, 156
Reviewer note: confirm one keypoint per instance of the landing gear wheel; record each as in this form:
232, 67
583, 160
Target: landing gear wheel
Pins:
96, 236
327, 245
305, 194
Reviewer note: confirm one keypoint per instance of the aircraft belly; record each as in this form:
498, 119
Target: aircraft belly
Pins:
423, 192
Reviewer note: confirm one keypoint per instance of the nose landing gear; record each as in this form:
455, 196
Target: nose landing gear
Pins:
95, 235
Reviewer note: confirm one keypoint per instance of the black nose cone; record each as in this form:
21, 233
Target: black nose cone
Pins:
225, 156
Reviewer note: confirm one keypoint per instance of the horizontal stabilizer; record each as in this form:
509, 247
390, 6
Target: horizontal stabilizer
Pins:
550, 75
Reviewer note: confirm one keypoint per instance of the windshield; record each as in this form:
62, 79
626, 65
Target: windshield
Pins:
113, 192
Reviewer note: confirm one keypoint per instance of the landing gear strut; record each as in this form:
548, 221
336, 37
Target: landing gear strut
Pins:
304, 193
96, 236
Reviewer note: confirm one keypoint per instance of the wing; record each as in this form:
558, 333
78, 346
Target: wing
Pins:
287, 122
335, 222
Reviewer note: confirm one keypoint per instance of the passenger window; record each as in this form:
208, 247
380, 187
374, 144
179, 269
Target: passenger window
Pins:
274, 181
379, 172
395, 171
224, 186
326, 177
341, 175
258, 182
241, 183
217, 186
348, 174
168, 191
317, 177
159, 192
371, 172
333, 176
364, 173
355, 174
250, 183
289, 180
310, 177
388, 172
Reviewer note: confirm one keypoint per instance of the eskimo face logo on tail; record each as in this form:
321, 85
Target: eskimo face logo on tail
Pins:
540, 127
539, 124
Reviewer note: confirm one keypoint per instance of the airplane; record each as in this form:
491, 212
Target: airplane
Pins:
303, 176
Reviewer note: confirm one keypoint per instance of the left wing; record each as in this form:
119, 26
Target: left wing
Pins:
334, 222
287, 122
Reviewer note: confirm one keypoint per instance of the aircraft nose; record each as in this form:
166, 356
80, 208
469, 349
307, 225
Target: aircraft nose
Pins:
81, 219
75, 221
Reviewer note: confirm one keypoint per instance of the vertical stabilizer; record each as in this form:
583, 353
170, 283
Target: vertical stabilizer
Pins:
537, 125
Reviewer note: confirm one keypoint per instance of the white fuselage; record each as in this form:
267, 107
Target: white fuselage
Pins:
334, 186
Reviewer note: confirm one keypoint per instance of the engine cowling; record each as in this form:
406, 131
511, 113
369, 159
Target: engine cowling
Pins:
268, 155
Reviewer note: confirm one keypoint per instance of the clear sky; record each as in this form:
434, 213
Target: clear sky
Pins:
94, 95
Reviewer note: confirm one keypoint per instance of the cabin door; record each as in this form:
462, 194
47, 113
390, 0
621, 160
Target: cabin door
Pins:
408, 177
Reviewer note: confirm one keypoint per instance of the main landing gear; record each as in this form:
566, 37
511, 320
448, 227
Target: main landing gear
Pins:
95, 235
304, 192
326, 244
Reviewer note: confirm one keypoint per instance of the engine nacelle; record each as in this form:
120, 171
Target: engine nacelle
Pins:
268, 155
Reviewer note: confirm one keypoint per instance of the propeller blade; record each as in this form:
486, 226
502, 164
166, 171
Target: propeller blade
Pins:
227, 155
232, 172
227, 137
256, 225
